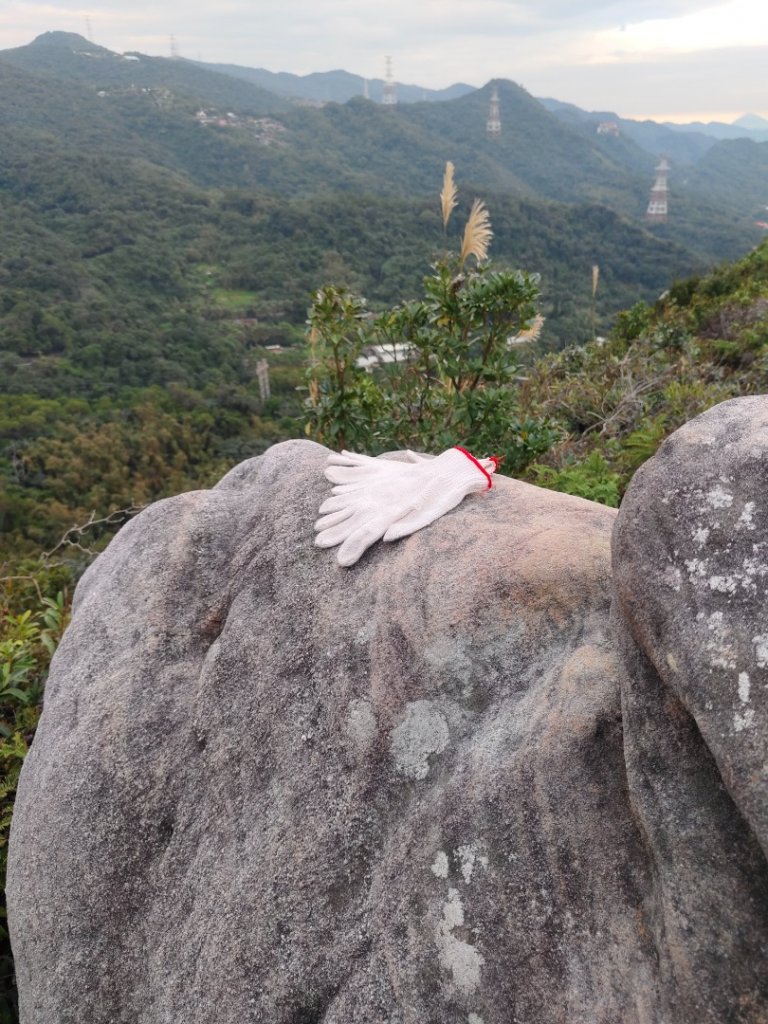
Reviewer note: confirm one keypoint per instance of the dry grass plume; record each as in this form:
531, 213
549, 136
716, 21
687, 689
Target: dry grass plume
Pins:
477, 233
532, 332
448, 195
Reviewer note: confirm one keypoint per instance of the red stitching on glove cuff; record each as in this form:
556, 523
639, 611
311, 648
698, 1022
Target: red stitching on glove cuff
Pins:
472, 458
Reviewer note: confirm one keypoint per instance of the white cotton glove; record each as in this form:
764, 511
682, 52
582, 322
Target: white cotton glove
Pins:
385, 499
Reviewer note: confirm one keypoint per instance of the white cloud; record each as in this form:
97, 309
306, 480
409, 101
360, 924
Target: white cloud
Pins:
718, 85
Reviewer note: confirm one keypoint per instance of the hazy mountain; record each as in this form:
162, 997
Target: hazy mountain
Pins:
753, 122
147, 107
734, 167
654, 138
682, 143
719, 130
335, 86
70, 57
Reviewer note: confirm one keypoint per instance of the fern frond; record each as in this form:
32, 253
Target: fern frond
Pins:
477, 233
448, 195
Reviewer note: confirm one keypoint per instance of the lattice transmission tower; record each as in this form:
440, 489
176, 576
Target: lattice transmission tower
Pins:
389, 98
493, 124
657, 204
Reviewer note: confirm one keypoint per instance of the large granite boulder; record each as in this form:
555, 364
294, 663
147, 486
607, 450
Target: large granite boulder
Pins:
440, 786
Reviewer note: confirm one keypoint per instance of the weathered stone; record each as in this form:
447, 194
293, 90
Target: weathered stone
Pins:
691, 577
265, 788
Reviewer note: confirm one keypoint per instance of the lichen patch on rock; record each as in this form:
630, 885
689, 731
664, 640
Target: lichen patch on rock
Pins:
422, 734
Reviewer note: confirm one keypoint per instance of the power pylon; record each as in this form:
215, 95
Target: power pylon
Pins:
657, 204
493, 124
389, 98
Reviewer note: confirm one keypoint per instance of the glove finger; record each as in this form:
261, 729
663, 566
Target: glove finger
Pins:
431, 507
337, 534
346, 496
380, 469
330, 538
350, 488
334, 518
358, 542
408, 525
336, 504
347, 474
345, 458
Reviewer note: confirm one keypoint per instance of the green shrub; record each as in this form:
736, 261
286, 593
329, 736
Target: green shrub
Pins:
592, 479
447, 369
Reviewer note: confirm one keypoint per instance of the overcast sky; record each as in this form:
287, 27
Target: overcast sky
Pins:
666, 59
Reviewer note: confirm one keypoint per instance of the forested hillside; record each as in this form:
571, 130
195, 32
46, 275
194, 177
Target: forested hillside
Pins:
147, 108
65, 56
151, 260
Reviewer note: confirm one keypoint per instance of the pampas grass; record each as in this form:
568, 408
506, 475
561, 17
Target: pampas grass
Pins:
477, 233
314, 390
595, 279
448, 195
532, 333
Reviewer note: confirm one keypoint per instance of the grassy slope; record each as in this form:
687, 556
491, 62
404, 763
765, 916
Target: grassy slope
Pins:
704, 342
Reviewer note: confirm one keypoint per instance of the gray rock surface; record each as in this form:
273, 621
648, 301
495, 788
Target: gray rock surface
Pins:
265, 788
691, 576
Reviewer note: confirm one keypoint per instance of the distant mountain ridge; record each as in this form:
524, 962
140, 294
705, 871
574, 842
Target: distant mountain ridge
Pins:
61, 52
682, 143
548, 150
749, 126
49, 53
753, 122
335, 86
69, 56
362, 146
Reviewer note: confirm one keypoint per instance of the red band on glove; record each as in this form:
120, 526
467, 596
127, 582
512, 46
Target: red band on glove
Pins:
472, 458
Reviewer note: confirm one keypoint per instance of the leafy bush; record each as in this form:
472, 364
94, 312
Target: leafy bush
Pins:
592, 479
445, 370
